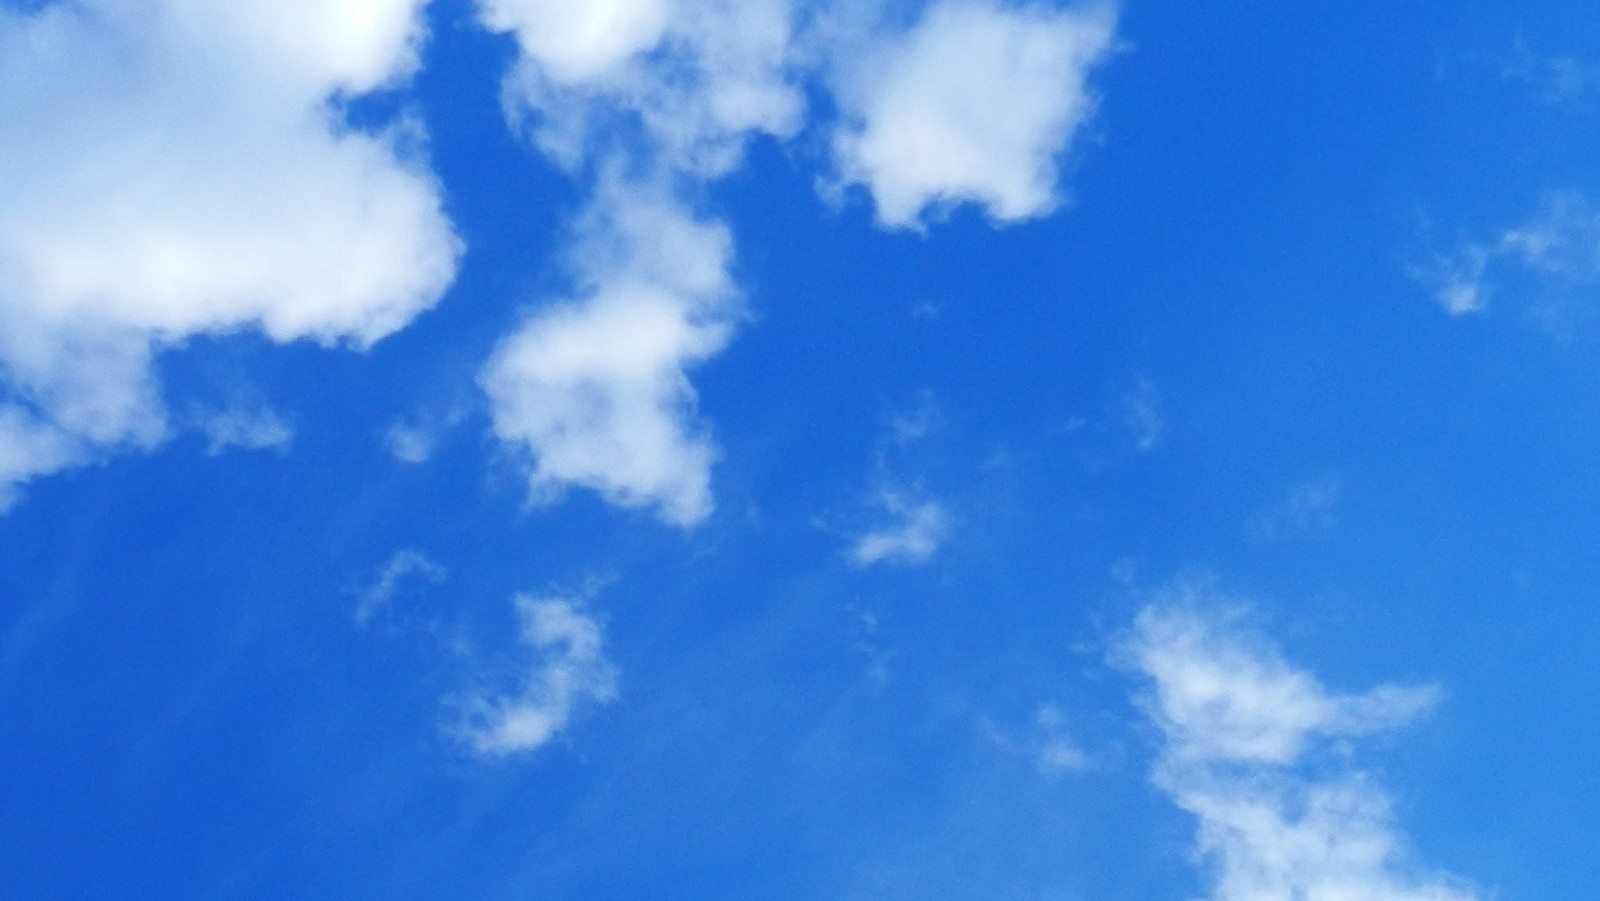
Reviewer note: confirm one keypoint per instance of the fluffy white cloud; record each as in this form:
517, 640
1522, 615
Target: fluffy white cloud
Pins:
594, 387
580, 42
694, 77
973, 104
915, 533
570, 669
1237, 720
178, 167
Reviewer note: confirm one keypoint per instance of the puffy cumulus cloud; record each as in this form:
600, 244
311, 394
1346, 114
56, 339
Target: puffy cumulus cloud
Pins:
1238, 720
973, 104
691, 80
569, 670
915, 532
178, 167
594, 387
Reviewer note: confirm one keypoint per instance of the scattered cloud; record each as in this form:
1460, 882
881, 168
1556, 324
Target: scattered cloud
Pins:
1309, 507
245, 429
1240, 724
914, 533
651, 100
915, 424
594, 387
567, 670
179, 168
975, 103
686, 83
1558, 249
1552, 79
1141, 412
405, 565
413, 440
1046, 741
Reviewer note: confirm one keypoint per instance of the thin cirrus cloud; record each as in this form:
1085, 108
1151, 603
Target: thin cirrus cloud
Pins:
567, 670
914, 532
1558, 248
246, 429
183, 172
1239, 724
650, 101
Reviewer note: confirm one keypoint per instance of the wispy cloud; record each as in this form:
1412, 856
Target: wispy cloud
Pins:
245, 429
913, 534
567, 669
414, 438
1552, 79
1308, 507
1141, 412
1240, 724
404, 565
1046, 740
1557, 250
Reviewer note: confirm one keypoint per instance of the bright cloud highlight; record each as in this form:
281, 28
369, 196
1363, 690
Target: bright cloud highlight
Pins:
974, 104
1237, 721
569, 670
594, 388
914, 534
179, 168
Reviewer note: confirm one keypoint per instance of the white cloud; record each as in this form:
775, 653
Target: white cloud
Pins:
915, 533
696, 77
653, 99
973, 104
594, 387
1561, 242
569, 670
413, 439
1142, 415
1554, 80
175, 168
1558, 247
246, 429
1046, 742
404, 565
1237, 719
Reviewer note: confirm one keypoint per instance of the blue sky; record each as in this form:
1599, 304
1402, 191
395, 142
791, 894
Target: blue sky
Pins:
973, 449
